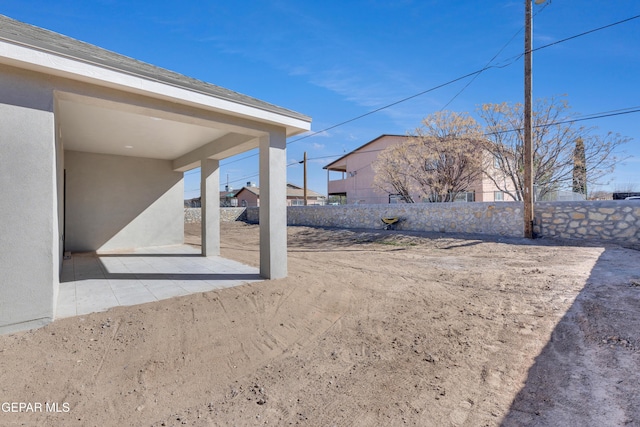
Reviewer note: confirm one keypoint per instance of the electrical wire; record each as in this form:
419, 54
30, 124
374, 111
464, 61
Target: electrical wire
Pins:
593, 116
585, 33
507, 62
473, 79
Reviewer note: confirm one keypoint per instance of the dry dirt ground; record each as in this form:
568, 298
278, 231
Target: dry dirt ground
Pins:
369, 329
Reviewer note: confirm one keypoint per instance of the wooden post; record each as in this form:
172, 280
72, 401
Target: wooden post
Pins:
305, 178
527, 194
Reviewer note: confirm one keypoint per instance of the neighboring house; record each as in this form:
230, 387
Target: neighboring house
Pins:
250, 196
354, 185
96, 144
196, 202
227, 200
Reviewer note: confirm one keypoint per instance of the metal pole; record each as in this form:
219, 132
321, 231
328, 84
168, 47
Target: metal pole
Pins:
305, 178
528, 150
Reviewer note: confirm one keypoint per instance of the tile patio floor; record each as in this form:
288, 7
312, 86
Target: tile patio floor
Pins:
92, 283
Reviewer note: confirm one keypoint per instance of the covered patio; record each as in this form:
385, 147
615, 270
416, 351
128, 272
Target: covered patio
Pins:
95, 145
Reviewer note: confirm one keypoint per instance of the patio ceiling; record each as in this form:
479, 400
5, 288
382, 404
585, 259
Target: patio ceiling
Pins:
99, 129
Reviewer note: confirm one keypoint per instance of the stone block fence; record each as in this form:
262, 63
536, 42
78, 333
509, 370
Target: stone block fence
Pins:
226, 214
484, 218
614, 220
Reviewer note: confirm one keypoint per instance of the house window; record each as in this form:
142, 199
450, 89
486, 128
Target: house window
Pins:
429, 166
467, 196
498, 196
297, 202
395, 198
496, 162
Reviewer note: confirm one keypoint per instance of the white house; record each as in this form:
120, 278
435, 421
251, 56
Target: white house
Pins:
93, 147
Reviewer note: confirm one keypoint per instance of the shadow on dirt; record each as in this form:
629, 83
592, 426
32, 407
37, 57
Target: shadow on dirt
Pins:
588, 372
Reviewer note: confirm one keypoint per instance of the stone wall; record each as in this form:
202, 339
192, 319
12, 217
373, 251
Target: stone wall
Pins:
503, 218
226, 214
192, 215
613, 220
616, 220
253, 215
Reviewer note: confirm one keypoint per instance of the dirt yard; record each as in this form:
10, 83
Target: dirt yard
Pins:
369, 329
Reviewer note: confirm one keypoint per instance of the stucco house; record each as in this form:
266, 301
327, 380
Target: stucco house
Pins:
249, 196
351, 177
95, 145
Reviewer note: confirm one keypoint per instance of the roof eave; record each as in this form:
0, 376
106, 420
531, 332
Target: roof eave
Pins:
21, 54
328, 167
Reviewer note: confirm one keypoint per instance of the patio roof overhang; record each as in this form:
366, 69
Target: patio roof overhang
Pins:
62, 99
161, 114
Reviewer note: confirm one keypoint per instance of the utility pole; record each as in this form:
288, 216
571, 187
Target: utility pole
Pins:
304, 161
527, 194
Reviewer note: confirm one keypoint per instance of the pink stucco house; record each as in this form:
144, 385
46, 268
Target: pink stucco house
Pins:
351, 177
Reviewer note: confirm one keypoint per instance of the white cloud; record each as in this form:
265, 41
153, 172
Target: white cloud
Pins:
314, 134
325, 161
293, 163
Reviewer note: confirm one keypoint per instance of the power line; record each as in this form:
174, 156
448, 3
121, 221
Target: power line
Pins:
372, 111
585, 33
593, 116
258, 173
505, 64
474, 74
491, 60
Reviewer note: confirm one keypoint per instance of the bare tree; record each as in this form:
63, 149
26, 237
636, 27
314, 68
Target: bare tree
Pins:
629, 187
554, 138
392, 172
441, 159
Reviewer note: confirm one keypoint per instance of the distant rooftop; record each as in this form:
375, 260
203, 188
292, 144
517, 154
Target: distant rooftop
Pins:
292, 191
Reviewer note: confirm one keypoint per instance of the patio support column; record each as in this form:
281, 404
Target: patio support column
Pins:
273, 205
210, 210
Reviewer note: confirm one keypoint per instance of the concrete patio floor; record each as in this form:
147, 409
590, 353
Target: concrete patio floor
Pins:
93, 282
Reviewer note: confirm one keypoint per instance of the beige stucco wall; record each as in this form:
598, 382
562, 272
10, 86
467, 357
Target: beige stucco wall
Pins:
118, 202
360, 188
358, 182
29, 235
485, 188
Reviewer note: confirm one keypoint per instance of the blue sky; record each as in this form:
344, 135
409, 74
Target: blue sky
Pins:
335, 61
